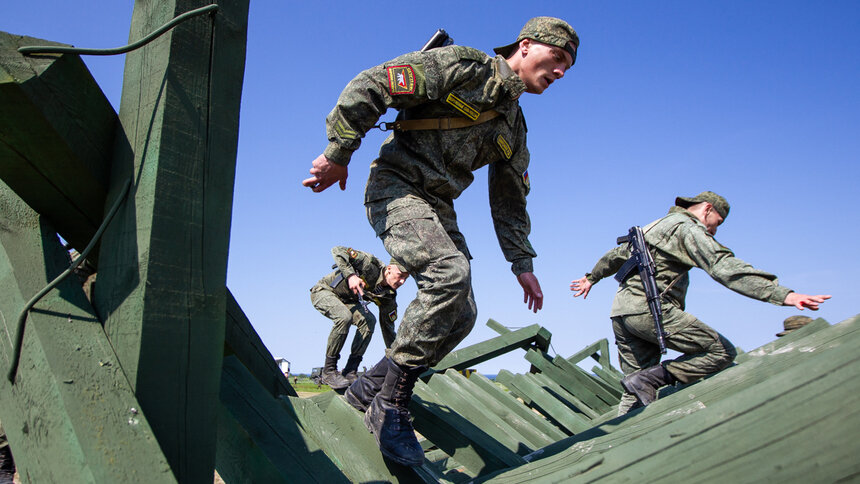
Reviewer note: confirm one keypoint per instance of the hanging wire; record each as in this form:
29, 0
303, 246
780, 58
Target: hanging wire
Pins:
57, 49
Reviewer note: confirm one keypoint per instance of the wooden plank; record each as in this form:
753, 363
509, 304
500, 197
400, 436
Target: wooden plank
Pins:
242, 340
609, 379
570, 381
609, 395
472, 407
342, 435
562, 395
791, 338
163, 263
599, 351
516, 407
71, 415
554, 410
269, 431
56, 137
457, 437
478, 353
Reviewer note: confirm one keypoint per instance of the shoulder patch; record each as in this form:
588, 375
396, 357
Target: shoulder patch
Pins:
352, 253
401, 79
392, 316
504, 146
467, 109
526, 179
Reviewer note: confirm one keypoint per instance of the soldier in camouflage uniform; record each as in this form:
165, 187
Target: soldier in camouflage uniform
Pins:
681, 240
458, 111
359, 276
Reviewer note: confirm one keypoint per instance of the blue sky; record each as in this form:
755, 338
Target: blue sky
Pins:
758, 101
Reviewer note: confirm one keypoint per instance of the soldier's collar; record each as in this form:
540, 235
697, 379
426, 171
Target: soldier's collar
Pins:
510, 80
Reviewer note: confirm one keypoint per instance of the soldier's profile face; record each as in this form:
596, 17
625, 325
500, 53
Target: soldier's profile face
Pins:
712, 220
542, 65
394, 277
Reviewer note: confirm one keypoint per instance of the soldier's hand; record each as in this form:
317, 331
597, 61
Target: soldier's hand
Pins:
801, 301
324, 174
581, 286
532, 295
356, 285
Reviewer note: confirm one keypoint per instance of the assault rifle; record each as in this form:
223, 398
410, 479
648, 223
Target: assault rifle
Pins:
439, 39
641, 259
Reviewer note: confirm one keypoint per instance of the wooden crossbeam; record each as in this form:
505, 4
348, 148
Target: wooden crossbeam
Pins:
570, 381
524, 338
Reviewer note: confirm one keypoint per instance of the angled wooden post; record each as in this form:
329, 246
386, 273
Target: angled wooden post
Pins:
162, 269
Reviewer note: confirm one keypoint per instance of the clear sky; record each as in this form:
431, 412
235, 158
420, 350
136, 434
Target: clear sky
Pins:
758, 101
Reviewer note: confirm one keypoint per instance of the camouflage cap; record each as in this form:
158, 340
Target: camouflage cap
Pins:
546, 30
793, 322
396, 263
719, 203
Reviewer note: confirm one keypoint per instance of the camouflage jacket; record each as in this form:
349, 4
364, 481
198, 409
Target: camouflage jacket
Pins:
679, 242
371, 270
437, 165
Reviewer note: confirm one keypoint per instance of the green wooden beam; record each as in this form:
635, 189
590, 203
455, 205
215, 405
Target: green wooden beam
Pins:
243, 341
71, 415
609, 395
265, 433
524, 338
570, 381
163, 263
563, 395
550, 406
791, 338
56, 137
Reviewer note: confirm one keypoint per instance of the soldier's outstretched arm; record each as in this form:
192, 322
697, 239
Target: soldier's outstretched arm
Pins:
804, 301
532, 294
581, 286
324, 174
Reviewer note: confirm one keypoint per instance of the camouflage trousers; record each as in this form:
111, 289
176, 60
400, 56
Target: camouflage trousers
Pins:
343, 315
426, 240
705, 351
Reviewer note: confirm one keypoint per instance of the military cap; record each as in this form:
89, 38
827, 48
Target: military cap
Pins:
546, 30
720, 204
396, 263
793, 322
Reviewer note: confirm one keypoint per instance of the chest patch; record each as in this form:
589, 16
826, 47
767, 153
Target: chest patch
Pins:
504, 146
462, 106
401, 79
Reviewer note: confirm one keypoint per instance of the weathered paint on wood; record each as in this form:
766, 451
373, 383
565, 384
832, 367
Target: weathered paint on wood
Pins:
275, 434
562, 395
162, 269
569, 381
609, 395
790, 338
71, 415
56, 137
548, 403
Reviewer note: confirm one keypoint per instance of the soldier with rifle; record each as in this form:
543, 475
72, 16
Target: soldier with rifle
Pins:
344, 295
641, 316
458, 111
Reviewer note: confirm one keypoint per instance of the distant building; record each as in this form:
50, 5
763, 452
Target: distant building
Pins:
284, 365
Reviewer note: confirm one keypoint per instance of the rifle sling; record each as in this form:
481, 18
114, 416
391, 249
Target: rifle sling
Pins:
441, 123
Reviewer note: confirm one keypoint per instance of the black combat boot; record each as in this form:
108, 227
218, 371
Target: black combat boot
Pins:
388, 416
350, 371
645, 383
331, 377
363, 389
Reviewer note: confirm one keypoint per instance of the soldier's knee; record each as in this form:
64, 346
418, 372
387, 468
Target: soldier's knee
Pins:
456, 272
724, 352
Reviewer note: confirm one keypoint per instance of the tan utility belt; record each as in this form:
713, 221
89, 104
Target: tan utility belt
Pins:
438, 123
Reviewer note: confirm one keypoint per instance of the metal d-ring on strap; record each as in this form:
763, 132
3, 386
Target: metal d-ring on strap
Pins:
22, 318
54, 49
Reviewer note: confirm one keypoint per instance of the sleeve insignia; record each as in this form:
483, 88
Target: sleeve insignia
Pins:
504, 146
467, 109
401, 79
526, 179
392, 316
343, 130
352, 253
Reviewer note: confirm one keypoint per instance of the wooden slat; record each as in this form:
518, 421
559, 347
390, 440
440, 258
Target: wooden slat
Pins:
562, 395
541, 400
570, 381
242, 340
609, 395
163, 263
478, 353
56, 137
71, 415
274, 441
792, 337
459, 438
509, 404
